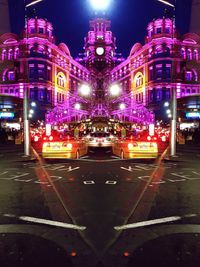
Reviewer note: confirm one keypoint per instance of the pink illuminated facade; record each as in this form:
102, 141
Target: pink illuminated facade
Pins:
146, 78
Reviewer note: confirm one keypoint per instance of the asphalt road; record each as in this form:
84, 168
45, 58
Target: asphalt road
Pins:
100, 210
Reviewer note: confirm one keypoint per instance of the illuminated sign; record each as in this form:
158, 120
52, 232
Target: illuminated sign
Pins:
193, 115
6, 114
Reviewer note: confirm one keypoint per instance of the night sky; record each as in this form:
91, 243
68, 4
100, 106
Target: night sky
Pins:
129, 19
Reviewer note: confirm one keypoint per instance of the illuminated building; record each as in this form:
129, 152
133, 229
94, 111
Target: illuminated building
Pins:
146, 78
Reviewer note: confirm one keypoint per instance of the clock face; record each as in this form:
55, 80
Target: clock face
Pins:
100, 51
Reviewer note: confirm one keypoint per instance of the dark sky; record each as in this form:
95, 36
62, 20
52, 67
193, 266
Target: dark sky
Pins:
129, 19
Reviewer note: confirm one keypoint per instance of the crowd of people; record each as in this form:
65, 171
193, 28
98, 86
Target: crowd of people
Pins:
8, 135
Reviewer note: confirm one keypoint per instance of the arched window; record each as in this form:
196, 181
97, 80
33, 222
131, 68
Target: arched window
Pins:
183, 52
40, 49
16, 55
61, 80
159, 49
189, 54
139, 80
196, 55
3, 55
10, 54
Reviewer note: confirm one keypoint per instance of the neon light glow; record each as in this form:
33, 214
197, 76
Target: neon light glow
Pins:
6, 114
100, 4
193, 115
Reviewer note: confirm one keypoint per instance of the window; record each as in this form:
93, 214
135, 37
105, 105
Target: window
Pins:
41, 71
151, 96
167, 30
49, 96
194, 91
158, 73
3, 56
183, 52
158, 95
189, 54
188, 75
41, 30
10, 54
31, 70
11, 91
16, 55
158, 30
32, 30
11, 76
168, 70
61, 81
48, 73
41, 94
188, 91
139, 81
196, 56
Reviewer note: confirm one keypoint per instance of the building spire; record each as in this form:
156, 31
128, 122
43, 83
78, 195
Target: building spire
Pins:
4, 17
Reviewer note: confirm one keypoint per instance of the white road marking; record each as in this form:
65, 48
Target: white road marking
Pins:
129, 169
48, 222
89, 182
110, 182
152, 222
70, 169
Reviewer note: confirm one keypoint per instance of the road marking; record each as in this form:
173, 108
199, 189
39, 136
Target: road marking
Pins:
48, 222
129, 169
152, 222
89, 182
110, 182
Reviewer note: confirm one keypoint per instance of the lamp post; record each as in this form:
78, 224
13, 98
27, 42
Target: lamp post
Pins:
173, 89
26, 90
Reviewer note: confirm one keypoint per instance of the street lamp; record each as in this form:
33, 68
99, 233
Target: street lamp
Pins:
122, 106
26, 91
173, 90
85, 90
115, 90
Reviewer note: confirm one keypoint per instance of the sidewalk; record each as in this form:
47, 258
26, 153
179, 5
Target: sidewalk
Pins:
186, 152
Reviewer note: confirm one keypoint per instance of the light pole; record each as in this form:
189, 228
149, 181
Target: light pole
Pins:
26, 90
173, 89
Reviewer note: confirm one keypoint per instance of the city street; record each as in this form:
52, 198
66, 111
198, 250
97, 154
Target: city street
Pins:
100, 210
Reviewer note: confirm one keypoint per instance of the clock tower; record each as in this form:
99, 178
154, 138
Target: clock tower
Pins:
100, 45
99, 58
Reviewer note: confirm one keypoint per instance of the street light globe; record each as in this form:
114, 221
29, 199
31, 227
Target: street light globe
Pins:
166, 104
100, 4
77, 106
33, 104
85, 90
122, 106
115, 90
